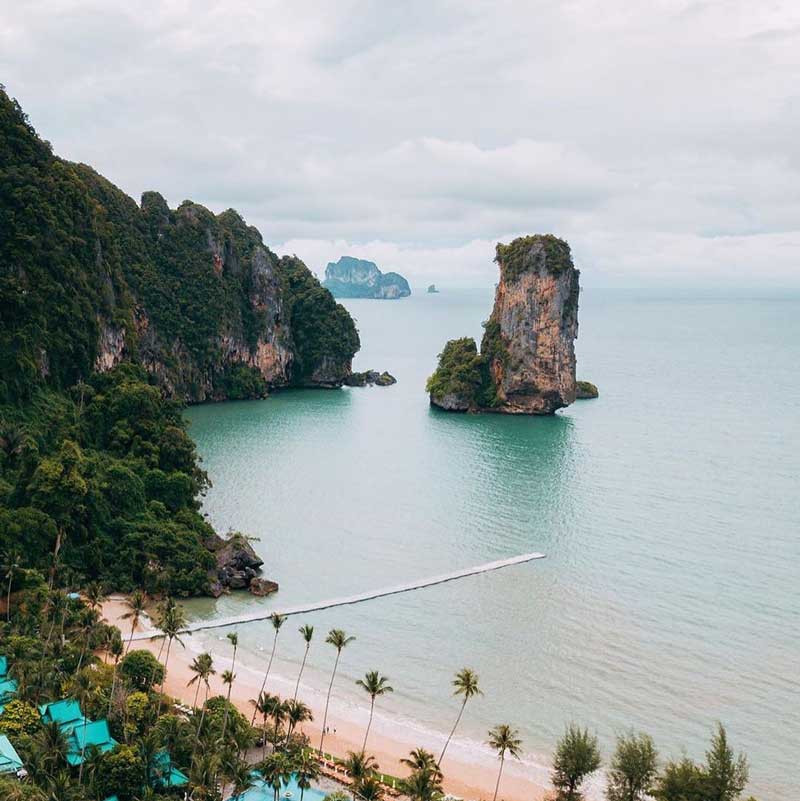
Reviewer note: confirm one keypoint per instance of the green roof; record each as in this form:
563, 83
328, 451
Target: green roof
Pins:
9, 758
66, 712
94, 734
164, 773
3, 666
112, 798
7, 688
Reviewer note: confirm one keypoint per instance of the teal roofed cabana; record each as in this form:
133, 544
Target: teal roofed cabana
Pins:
9, 758
8, 688
94, 734
164, 774
66, 713
3, 666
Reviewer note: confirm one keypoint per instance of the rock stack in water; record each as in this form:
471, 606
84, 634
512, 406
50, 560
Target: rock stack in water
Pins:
526, 364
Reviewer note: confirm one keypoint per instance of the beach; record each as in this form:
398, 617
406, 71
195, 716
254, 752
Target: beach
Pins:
470, 769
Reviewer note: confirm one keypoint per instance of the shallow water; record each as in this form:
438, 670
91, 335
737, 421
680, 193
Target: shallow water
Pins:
668, 510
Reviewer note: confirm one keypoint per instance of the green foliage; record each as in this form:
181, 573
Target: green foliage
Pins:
121, 772
577, 755
681, 781
19, 717
516, 258
633, 768
586, 389
141, 670
321, 328
727, 774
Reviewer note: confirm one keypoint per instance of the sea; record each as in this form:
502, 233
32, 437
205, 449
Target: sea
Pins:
668, 510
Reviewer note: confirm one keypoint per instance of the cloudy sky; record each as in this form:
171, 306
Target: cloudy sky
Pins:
662, 139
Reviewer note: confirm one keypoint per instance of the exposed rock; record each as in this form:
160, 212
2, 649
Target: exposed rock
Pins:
261, 587
358, 278
432, 290
370, 377
237, 566
526, 363
586, 390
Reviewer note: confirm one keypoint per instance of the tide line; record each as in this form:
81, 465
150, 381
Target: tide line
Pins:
316, 606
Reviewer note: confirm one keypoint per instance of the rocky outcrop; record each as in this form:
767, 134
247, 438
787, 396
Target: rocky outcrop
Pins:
370, 377
586, 390
432, 290
526, 363
237, 566
358, 278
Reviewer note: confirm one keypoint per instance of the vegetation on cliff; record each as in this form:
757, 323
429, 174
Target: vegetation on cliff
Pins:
513, 257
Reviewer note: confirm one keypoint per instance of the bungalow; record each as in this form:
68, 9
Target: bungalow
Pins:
164, 774
9, 758
8, 688
93, 734
66, 712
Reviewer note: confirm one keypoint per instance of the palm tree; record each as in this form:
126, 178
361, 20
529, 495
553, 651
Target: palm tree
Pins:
173, 624
136, 604
208, 672
339, 640
94, 594
296, 712
276, 769
423, 784
203, 667
116, 651
421, 760
370, 788
374, 684
240, 775
277, 621
307, 633
504, 740
264, 705
228, 678
87, 623
466, 685
82, 689
359, 765
307, 771
11, 565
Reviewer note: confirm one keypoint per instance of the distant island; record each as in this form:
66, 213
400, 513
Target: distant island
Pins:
526, 363
357, 278
432, 290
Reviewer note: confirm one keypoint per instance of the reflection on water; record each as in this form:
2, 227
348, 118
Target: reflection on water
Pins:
669, 521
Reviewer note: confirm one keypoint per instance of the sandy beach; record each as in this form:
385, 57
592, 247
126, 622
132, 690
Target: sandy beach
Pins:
470, 769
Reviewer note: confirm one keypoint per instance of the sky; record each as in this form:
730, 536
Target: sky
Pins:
661, 139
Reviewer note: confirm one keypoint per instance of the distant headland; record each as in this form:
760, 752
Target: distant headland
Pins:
357, 278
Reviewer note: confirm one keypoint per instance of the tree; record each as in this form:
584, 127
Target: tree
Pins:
277, 621
577, 755
277, 770
370, 789
141, 670
726, 774
82, 689
359, 765
203, 668
12, 564
633, 768
424, 784
228, 677
504, 740
466, 686
681, 781
296, 713
339, 640
136, 604
307, 771
307, 633
122, 773
19, 717
173, 624
374, 685
421, 760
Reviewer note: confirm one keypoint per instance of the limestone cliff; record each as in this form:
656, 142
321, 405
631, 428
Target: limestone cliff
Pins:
526, 363
358, 278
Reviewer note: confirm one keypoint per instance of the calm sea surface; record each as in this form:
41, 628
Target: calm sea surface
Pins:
668, 509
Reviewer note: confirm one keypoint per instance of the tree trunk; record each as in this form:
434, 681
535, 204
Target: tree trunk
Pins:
266, 676
166, 661
328, 700
499, 774
452, 732
366, 733
55, 557
302, 667
8, 603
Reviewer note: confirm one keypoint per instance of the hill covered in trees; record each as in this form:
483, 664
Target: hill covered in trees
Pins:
112, 314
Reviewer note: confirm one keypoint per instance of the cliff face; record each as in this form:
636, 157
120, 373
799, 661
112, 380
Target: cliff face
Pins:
91, 279
526, 364
358, 278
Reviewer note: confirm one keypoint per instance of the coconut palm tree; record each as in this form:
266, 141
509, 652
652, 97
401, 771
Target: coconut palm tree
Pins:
94, 594
421, 760
504, 740
276, 769
424, 784
277, 621
306, 770
339, 640
264, 705
296, 712
82, 689
240, 774
375, 685
208, 672
88, 620
307, 633
173, 624
370, 788
203, 667
12, 564
115, 648
359, 765
466, 686
228, 677
136, 604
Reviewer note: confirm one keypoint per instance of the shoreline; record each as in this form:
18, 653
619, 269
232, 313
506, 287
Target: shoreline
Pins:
470, 769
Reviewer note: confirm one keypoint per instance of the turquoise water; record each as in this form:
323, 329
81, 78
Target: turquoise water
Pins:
261, 791
668, 510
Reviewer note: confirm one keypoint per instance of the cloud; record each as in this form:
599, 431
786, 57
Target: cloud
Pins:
662, 139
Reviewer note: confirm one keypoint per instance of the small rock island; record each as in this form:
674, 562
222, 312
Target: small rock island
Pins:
432, 290
358, 278
526, 363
